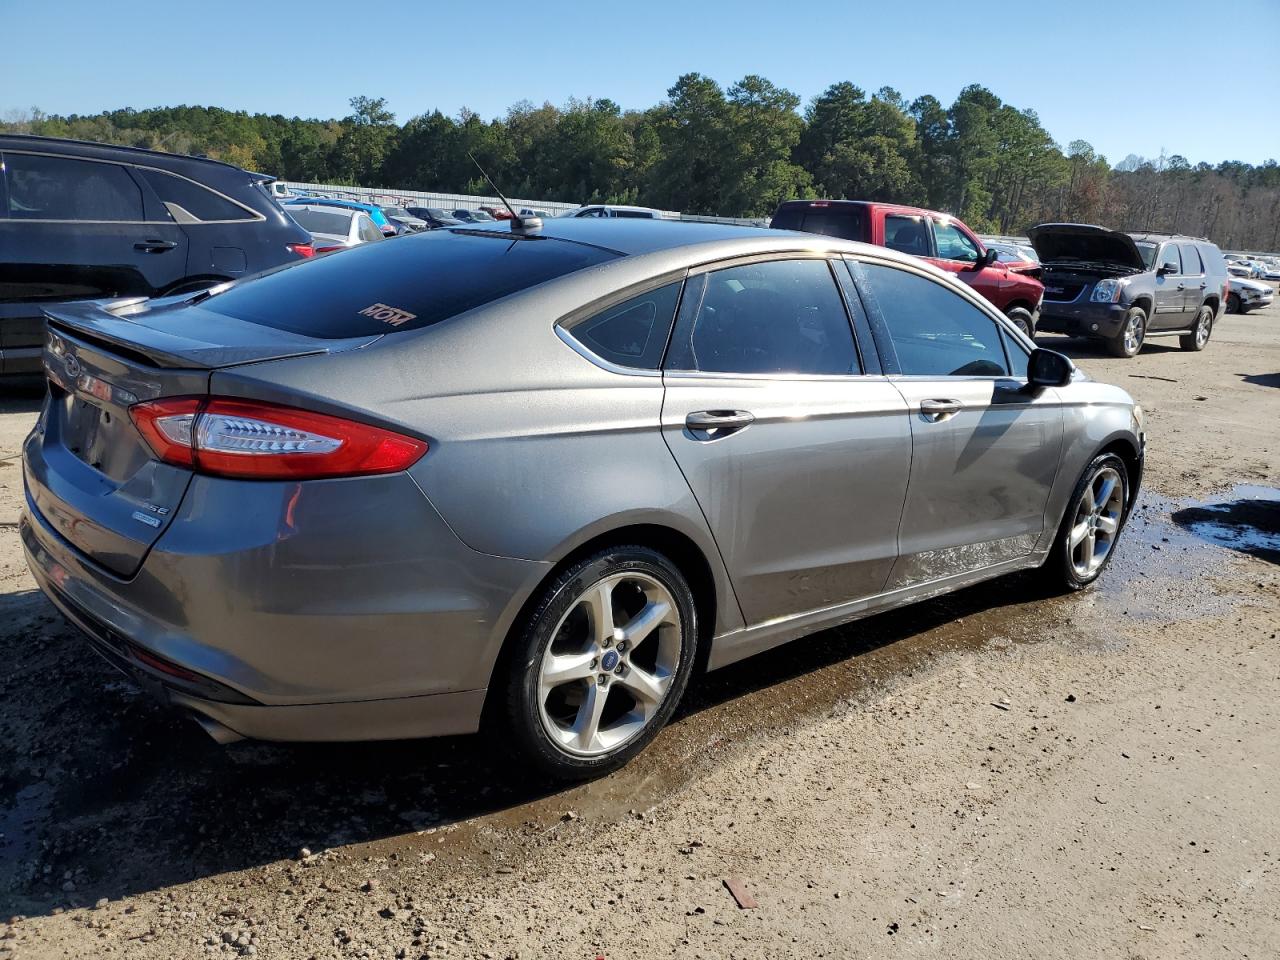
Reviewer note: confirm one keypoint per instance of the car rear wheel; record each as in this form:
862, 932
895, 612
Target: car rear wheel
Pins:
601, 664
1133, 331
1021, 318
1199, 335
1233, 303
1091, 525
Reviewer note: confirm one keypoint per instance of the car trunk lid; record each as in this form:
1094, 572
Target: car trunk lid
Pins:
1060, 244
88, 470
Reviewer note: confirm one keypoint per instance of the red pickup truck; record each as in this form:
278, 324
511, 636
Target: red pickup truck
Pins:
941, 239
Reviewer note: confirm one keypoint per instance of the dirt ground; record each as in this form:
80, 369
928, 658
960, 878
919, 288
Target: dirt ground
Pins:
998, 773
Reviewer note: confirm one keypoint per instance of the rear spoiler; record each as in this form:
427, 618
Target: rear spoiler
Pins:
140, 330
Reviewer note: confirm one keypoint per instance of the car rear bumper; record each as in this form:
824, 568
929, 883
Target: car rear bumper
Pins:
347, 627
1082, 319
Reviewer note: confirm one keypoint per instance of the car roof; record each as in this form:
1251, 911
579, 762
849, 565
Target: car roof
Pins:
640, 237
893, 207
111, 151
324, 207
1158, 237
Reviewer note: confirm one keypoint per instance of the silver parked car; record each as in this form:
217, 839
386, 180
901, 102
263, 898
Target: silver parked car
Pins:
529, 478
334, 228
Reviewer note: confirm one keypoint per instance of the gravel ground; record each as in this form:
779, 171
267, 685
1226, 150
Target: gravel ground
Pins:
995, 773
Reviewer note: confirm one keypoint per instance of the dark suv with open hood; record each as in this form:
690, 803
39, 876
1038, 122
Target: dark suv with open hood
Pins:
1123, 288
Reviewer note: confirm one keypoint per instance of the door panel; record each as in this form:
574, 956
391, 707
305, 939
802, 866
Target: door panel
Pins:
980, 476
1170, 296
803, 501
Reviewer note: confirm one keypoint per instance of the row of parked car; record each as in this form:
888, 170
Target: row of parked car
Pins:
86, 220
1077, 279
1253, 267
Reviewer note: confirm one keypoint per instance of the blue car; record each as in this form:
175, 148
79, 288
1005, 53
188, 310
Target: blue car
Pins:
375, 213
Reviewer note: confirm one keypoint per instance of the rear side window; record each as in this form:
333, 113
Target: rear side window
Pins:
779, 317
369, 230
322, 221
847, 223
191, 200
906, 234
63, 188
1191, 264
419, 280
632, 333
935, 331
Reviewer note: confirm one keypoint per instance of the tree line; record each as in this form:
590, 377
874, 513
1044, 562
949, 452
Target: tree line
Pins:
735, 151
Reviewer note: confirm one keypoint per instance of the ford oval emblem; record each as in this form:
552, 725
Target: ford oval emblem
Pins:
72, 366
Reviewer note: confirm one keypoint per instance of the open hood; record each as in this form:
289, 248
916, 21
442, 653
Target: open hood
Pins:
1061, 242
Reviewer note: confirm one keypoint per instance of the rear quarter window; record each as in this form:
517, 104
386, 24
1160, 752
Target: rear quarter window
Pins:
419, 280
186, 199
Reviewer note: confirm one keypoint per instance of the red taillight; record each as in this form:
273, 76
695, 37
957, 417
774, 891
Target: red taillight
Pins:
264, 441
303, 250
337, 246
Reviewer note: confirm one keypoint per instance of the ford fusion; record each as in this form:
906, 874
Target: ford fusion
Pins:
526, 478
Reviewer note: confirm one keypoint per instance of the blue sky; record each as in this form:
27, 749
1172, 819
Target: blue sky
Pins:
1194, 78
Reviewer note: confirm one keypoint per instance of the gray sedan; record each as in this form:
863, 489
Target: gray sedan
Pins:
528, 478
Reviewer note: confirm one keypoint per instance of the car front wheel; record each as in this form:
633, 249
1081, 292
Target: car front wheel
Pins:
601, 664
1021, 318
1133, 331
1091, 525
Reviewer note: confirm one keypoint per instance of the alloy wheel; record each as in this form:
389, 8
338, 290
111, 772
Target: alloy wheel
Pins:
1133, 335
1202, 328
1096, 523
610, 664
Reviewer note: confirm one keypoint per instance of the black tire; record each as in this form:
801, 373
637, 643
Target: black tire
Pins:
1060, 570
1233, 303
1122, 345
521, 715
1201, 330
1022, 319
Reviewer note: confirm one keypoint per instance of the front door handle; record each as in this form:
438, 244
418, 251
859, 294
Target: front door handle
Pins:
1182, 286
154, 246
938, 409
714, 424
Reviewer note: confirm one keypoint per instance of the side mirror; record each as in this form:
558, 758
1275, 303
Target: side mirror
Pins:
1168, 267
1048, 368
987, 258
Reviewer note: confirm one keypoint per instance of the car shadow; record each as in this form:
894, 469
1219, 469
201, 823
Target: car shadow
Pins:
1261, 379
104, 793
1078, 347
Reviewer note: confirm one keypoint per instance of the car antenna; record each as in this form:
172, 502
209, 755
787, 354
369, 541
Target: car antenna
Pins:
518, 222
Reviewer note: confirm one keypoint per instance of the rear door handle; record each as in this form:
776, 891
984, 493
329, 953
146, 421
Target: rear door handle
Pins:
1182, 286
154, 246
714, 424
938, 409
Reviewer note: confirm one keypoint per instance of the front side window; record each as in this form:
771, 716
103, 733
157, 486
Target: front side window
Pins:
953, 243
63, 188
1169, 254
935, 331
632, 333
193, 200
777, 317
906, 235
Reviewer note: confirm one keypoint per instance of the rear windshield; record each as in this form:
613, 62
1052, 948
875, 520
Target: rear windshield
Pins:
415, 282
322, 221
848, 223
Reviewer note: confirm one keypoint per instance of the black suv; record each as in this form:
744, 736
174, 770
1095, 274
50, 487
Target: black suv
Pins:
85, 220
1123, 288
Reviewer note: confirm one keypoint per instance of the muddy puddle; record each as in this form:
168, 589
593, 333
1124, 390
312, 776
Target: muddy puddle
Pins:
101, 790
